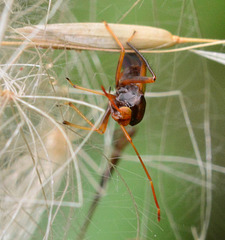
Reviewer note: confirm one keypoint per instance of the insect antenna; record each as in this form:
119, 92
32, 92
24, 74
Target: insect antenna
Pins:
144, 59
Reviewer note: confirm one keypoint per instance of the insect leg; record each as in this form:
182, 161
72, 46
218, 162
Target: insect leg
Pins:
137, 79
145, 169
122, 53
102, 127
84, 89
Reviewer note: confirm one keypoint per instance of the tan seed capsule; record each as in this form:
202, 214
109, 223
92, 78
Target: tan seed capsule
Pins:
94, 36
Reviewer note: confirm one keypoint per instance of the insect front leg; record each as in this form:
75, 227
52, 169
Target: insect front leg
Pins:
137, 79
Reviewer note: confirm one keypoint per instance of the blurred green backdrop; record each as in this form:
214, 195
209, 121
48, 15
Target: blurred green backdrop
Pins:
188, 203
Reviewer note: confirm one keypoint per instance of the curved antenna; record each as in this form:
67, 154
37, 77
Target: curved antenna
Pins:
144, 59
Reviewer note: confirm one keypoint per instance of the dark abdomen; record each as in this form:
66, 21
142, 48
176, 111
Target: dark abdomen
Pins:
130, 96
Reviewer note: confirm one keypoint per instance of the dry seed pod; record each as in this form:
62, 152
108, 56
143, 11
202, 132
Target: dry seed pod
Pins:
95, 35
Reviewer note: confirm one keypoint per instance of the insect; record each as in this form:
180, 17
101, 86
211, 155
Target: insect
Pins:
127, 105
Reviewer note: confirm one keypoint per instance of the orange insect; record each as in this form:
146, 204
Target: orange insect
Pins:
127, 106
